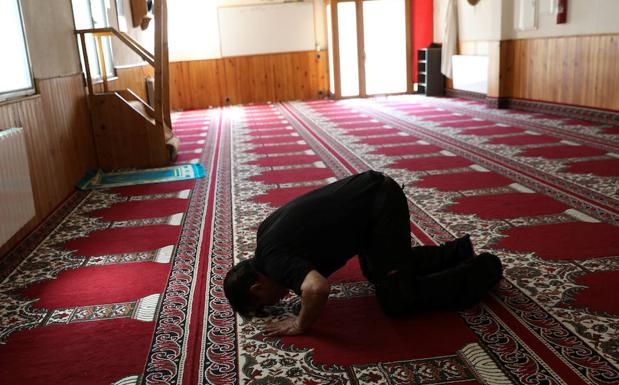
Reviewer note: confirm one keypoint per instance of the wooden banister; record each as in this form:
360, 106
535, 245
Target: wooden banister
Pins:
129, 41
162, 77
151, 127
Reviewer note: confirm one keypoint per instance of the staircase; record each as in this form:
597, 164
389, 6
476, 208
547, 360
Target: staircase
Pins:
128, 132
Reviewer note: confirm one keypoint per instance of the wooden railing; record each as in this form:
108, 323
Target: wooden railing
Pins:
98, 33
159, 60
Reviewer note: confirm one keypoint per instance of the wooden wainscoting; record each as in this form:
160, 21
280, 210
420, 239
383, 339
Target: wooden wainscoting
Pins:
248, 79
134, 78
59, 142
576, 70
129, 77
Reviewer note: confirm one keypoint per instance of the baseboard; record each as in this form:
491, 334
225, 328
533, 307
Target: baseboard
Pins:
563, 110
465, 94
497, 102
568, 111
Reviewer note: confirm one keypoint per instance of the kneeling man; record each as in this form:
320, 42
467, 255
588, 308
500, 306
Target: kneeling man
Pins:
303, 242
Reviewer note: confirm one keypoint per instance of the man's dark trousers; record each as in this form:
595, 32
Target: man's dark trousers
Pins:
419, 278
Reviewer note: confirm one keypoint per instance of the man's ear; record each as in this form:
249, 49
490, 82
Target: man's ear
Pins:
256, 287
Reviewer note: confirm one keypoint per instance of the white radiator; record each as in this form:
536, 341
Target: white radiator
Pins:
16, 199
470, 73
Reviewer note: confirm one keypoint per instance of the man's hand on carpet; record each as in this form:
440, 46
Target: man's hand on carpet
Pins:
287, 327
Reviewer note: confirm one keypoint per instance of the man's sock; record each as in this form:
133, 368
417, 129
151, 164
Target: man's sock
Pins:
464, 248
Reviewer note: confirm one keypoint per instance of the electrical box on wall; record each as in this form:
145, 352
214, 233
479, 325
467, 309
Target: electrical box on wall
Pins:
526, 14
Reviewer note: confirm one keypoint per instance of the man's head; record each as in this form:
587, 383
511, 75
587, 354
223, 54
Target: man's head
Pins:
249, 291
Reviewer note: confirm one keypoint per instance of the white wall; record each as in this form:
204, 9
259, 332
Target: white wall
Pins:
193, 30
475, 23
194, 27
496, 19
584, 17
51, 41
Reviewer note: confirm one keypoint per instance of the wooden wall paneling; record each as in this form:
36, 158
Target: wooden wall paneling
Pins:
248, 79
576, 70
216, 81
323, 73
319, 74
295, 78
494, 69
262, 79
505, 69
252, 89
300, 80
210, 81
244, 79
231, 94
133, 78
126, 138
196, 84
280, 83
311, 67
608, 64
179, 75
315, 60
64, 106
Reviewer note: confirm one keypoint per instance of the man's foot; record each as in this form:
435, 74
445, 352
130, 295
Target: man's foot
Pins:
494, 267
464, 248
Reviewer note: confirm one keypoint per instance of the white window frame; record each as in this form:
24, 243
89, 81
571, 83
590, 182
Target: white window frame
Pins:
90, 39
12, 94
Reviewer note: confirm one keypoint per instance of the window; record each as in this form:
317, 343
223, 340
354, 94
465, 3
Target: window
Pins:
15, 76
89, 14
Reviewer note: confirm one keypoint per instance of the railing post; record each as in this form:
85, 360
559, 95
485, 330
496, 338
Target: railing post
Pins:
102, 62
165, 66
86, 64
158, 57
162, 90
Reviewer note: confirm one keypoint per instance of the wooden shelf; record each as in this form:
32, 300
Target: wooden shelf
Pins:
430, 80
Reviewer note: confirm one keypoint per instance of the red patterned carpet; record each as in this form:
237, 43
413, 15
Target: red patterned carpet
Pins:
124, 286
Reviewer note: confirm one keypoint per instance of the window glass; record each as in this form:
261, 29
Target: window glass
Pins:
15, 77
384, 26
349, 59
89, 14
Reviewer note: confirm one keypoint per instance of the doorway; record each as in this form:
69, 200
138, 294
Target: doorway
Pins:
369, 47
